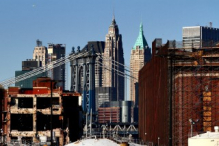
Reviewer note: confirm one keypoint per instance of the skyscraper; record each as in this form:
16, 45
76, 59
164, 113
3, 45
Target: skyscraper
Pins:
40, 53
199, 36
40, 56
55, 52
113, 54
27, 66
140, 54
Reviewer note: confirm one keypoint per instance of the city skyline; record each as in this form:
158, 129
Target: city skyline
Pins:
75, 23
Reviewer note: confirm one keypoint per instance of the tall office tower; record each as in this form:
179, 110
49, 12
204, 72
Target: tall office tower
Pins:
113, 54
199, 36
140, 54
27, 66
40, 53
55, 52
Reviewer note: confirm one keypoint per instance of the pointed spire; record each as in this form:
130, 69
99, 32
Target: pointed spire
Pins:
113, 13
113, 20
141, 42
141, 28
113, 27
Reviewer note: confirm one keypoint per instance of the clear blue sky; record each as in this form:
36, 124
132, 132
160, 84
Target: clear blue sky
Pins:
75, 22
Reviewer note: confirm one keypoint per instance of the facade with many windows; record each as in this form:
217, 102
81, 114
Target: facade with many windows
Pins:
199, 36
140, 54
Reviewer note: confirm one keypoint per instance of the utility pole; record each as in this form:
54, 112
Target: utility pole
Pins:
51, 113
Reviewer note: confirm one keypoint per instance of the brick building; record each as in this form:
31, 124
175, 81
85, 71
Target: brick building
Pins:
178, 87
28, 113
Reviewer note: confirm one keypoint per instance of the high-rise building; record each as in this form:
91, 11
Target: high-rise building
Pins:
27, 66
55, 52
109, 86
199, 36
40, 53
140, 54
40, 56
113, 55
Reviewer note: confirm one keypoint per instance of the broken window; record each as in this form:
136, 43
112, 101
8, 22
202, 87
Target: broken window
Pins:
13, 101
43, 103
25, 102
22, 122
43, 122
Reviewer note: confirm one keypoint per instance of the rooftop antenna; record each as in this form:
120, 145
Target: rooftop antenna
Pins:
38, 43
113, 9
141, 17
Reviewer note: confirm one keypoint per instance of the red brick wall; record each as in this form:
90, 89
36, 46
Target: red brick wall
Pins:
153, 99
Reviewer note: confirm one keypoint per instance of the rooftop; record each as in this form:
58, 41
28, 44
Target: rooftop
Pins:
208, 134
92, 142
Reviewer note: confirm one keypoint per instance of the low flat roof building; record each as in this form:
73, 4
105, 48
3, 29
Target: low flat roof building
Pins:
205, 139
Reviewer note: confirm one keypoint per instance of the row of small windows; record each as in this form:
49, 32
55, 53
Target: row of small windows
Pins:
39, 57
39, 52
39, 49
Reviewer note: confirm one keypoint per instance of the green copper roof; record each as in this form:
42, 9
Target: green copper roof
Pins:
141, 41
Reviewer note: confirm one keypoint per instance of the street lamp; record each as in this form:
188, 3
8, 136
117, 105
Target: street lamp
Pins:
145, 139
192, 123
158, 139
